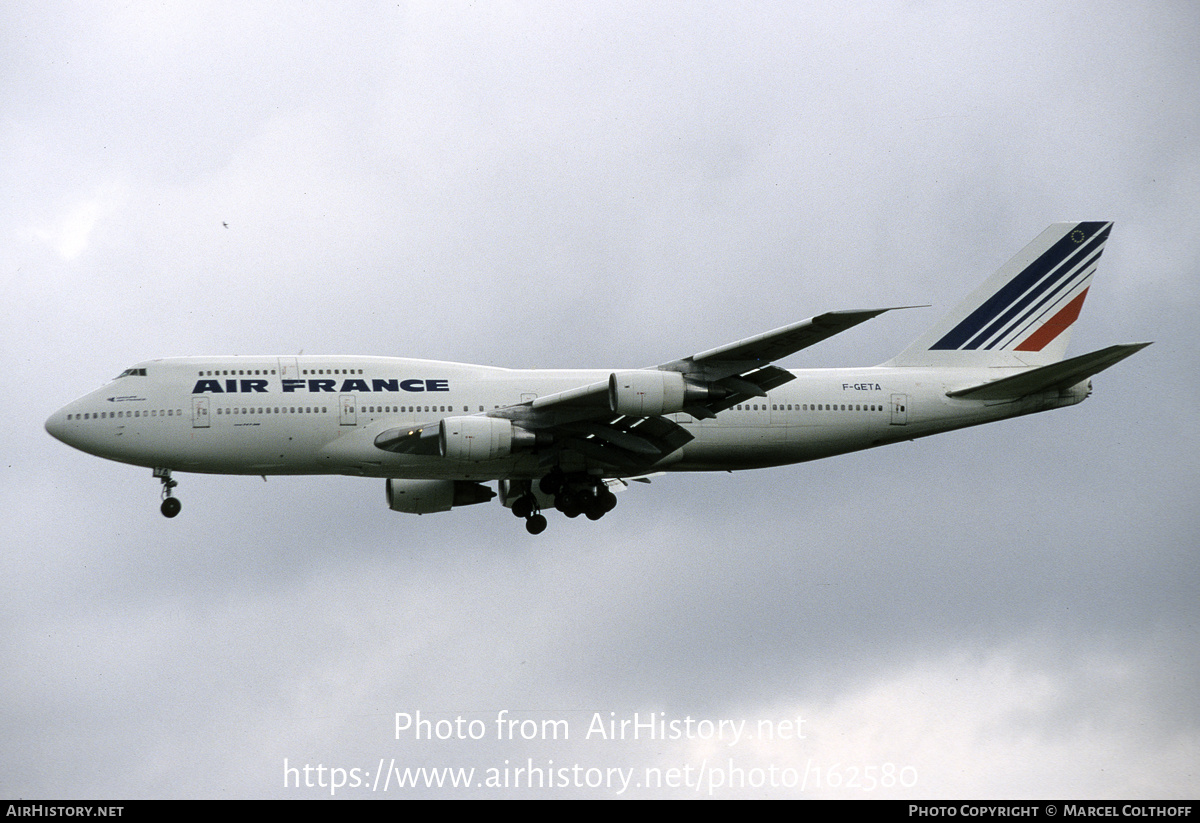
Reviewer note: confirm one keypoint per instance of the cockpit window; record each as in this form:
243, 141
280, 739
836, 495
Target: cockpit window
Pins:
132, 373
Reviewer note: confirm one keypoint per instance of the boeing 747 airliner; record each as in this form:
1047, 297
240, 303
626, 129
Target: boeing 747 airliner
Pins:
439, 433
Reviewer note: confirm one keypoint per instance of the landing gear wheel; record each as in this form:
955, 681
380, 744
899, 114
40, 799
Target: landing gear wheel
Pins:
535, 524
567, 502
600, 505
552, 483
170, 506
523, 506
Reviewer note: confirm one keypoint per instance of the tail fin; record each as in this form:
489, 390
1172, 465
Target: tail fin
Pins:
1022, 314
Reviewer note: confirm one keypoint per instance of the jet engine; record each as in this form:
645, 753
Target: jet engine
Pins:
428, 496
481, 438
649, 392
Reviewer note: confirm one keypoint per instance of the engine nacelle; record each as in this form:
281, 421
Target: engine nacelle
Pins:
428, 496
650, 391
480, 438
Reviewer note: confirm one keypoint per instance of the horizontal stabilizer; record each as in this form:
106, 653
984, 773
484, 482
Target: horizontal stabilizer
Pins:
1061, 375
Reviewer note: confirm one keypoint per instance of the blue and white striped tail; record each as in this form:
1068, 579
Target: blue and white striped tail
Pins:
1022, 315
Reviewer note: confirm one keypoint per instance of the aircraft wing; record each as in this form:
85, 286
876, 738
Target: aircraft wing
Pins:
589, 420
623, 443
775, 344
744, 369
583, 418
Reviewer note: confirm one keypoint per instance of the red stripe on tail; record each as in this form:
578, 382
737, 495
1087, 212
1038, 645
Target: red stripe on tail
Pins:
1055, 326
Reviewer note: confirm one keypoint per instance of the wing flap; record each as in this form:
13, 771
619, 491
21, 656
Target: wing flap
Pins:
625, 442
616, 436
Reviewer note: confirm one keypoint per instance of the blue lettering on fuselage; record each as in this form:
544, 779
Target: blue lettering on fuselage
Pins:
214, 386
321, 385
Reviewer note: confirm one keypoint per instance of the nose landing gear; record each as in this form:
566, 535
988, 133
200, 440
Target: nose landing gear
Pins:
170, 505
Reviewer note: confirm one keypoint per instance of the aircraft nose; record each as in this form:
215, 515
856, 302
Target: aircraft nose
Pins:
56, 425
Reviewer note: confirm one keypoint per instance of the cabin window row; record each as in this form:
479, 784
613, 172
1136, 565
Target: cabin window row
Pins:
251, 372
810, 407
841, 407
325, 409
276, 410
408, 409
117, 415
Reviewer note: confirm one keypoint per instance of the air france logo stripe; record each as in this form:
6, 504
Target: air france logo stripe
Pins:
1031, 284
1061, 267
1051, 299
1055, 326
1037, 292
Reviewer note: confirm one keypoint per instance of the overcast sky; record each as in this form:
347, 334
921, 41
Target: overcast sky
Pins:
1008, 611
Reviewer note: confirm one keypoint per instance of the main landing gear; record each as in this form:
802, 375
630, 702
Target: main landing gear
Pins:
170, 505
573, 495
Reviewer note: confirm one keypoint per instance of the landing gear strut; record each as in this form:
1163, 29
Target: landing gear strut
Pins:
526, 506
170, 505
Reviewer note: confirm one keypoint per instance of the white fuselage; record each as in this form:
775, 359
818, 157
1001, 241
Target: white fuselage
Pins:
321, 415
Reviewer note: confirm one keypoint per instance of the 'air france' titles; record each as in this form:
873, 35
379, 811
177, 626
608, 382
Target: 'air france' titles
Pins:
321, 385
